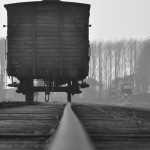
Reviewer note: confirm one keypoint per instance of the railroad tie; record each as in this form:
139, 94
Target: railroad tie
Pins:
70, 134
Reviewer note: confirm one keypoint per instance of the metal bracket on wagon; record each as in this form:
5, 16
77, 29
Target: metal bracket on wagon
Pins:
14, 84
84, 85
47, 93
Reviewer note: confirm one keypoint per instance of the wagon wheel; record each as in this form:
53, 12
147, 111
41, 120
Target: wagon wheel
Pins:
69, 92
69, 97
29, 90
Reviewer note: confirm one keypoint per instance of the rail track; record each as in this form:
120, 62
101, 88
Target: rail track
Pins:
54, 126
115, 128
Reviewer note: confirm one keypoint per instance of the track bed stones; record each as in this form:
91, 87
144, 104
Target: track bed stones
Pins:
115, 128
29, 127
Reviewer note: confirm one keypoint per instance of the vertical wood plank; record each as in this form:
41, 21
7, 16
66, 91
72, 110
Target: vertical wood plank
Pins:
60, 38
33, 39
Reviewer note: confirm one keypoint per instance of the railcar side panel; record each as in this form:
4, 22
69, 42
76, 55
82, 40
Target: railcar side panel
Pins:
20, 38
75, 34
48, 39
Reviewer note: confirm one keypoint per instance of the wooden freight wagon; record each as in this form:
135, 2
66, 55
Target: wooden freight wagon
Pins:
48, 40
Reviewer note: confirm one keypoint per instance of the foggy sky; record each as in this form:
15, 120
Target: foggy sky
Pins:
110, 19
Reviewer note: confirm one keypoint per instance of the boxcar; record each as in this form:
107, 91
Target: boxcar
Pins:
48, 40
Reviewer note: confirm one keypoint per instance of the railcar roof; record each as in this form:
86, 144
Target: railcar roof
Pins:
33, 2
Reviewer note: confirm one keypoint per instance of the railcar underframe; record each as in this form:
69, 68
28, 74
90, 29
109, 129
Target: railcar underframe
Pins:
27, 88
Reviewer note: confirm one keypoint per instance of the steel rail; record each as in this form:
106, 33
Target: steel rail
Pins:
70, 134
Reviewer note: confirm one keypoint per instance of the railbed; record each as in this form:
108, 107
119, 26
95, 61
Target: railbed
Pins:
57, 126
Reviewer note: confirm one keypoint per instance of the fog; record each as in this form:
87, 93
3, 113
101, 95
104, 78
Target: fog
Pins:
119, 73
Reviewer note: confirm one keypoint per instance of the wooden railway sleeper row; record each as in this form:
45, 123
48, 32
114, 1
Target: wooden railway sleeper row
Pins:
16, 133
131, 119
111, 133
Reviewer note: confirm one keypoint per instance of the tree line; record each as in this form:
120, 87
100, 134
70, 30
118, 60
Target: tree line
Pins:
3, 79
113, 63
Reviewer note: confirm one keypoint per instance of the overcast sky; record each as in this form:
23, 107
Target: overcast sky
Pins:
110, 19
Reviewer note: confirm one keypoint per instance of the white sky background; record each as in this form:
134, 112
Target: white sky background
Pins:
110, 19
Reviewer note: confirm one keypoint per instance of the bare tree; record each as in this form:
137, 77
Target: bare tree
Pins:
100, 58
3, 69
114, 62
144, 67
